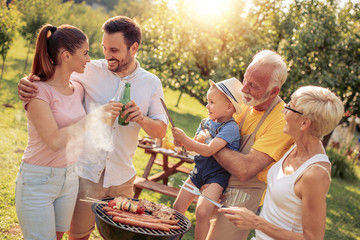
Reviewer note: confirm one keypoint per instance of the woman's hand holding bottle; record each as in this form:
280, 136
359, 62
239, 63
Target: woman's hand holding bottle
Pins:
110, 111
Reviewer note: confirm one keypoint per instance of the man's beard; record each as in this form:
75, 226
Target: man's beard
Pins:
255, 102
121, 66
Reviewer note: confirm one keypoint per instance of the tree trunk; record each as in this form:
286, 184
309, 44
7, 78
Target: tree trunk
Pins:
2, 69
27, 57
178, 101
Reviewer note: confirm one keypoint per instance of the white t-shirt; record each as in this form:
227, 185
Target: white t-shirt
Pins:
113, 147
281, 205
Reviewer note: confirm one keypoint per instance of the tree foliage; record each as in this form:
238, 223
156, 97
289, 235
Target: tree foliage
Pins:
318, 39
107, 4
34, 14
88, 20
186, 49
139, 9
322, 45
186, 52
9, 24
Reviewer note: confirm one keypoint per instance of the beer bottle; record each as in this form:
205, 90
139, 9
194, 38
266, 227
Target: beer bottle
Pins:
125, 99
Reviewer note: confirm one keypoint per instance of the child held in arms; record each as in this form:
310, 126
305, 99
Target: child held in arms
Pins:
214, 133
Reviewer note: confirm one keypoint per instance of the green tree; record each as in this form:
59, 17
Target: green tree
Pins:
186, 49
322, 45
88, 20
107, 4
347, 73
9, 24
318, 39
139, 9
34, 14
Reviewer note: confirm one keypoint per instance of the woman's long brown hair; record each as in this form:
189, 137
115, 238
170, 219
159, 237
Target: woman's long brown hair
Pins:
50, 41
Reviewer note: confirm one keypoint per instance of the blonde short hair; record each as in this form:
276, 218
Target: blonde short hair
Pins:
279, 73
321, 105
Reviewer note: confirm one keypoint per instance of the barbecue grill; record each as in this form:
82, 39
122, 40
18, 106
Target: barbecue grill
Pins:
111, 230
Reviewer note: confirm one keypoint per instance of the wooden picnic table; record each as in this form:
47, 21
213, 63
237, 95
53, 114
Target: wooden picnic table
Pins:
152, 182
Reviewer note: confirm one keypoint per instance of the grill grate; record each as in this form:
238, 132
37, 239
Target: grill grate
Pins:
184, 224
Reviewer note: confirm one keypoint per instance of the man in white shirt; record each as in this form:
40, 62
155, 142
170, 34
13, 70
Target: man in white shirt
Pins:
105, 164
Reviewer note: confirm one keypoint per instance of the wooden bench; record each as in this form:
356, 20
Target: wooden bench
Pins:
170, 169
142, 183
158, 182
170, 165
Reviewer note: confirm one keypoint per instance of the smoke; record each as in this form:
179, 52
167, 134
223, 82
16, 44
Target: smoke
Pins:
91, 140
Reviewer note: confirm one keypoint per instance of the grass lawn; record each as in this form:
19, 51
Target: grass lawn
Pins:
343, 214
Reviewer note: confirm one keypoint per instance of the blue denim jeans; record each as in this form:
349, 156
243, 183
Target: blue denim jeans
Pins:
45, 199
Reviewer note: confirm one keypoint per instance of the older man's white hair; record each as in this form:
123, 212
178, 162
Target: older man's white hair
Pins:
268, 57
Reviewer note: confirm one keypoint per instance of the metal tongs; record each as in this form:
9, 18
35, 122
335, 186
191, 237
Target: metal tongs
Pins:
194, 190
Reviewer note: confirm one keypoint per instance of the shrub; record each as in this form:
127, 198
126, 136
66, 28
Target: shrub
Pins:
341, 167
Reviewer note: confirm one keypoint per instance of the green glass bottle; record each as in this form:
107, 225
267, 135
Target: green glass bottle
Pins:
125, 99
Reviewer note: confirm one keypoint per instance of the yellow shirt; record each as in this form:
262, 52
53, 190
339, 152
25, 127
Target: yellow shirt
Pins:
270, 138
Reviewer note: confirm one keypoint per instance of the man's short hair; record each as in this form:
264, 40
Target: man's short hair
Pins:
321, 105
130, 29
279, 73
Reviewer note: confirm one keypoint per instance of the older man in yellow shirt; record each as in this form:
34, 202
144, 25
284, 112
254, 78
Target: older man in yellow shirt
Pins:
262, 141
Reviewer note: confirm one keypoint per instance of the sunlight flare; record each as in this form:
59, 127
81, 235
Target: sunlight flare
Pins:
208, 7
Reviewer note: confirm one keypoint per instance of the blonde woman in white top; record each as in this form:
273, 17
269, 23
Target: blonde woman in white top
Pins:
295, 202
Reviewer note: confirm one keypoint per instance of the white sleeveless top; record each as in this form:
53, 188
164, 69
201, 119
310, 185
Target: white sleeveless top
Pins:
281, 205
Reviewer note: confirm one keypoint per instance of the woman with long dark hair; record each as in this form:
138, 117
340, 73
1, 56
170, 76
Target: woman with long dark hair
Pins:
47, 182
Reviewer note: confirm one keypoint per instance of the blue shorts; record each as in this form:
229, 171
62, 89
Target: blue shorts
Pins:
45, 199
207, 170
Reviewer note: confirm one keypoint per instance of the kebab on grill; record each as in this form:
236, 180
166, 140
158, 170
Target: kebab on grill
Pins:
155, 209
142, 205
125, 205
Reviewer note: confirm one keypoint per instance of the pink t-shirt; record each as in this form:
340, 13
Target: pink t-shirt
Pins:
66, 110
